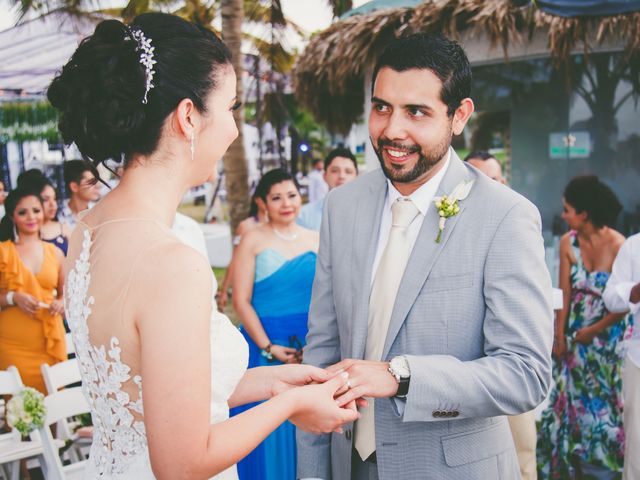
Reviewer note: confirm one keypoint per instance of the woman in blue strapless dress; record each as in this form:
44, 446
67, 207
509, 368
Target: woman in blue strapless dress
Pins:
271, 294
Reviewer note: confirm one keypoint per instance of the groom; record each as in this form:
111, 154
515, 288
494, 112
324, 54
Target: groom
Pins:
441, 315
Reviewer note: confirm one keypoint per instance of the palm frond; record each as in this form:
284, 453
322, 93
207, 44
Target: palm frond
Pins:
338, 7
328, 77
134, 8
198, 12
259, 12
280, 59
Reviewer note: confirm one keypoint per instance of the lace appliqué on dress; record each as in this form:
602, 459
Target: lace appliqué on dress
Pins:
119, 438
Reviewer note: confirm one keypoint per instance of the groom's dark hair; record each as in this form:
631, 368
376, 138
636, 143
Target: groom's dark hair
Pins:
428, 51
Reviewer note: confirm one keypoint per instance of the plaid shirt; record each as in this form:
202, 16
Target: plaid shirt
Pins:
66, 215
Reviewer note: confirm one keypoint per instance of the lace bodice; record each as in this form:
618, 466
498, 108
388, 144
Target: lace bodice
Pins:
119, 449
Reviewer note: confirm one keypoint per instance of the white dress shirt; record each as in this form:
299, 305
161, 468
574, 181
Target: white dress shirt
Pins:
318, 188
67, 217
421, 198
625, 274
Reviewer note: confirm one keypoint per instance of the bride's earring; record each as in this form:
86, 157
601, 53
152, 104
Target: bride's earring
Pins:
193, 146
15, 234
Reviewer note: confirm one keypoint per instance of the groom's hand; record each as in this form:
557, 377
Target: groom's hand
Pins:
366, 379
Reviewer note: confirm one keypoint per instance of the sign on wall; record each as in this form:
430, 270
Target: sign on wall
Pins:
569, 145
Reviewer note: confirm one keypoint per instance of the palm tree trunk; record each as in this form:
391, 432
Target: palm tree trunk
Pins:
235, 162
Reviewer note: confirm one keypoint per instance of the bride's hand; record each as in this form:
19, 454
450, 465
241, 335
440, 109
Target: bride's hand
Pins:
286, 377
317, 411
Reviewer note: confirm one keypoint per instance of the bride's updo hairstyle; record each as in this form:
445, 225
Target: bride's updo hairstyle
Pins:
102, 96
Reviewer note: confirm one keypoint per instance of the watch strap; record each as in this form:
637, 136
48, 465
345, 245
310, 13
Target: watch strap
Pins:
403, 387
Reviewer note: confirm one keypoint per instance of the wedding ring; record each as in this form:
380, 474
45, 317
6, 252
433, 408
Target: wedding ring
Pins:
348, 385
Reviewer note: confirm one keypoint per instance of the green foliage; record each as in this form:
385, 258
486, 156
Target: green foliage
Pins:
24, 121
307, 127
275, 111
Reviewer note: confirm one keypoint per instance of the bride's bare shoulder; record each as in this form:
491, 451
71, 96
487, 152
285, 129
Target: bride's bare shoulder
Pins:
172, 281
170, 260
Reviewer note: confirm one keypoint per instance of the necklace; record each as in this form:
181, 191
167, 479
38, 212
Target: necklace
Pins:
287, 238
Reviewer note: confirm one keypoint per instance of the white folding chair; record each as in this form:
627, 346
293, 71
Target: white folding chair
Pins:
68, 340
60, 406
62, 375
12, 449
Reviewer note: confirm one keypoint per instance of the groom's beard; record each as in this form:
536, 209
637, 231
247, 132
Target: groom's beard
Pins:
426, 160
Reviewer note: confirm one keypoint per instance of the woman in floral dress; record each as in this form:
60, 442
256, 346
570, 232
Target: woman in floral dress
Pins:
581, 431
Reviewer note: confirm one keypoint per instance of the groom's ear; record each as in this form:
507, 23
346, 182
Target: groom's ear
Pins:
461, 115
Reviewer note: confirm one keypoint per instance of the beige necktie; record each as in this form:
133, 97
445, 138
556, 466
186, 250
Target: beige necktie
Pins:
383, 296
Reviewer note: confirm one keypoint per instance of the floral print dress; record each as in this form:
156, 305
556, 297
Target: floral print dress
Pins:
584, 419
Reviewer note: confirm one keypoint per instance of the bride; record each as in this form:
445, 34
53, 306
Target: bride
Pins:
160, 94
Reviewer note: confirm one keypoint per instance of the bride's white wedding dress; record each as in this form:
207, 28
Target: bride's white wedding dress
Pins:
119, 449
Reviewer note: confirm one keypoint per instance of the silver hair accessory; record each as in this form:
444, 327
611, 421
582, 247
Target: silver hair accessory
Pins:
146, 58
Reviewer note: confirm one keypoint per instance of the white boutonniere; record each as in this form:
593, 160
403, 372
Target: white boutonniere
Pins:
447, 205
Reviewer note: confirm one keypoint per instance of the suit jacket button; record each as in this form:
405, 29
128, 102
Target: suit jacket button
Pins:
449, 414
456, 413
348, 434
436, 413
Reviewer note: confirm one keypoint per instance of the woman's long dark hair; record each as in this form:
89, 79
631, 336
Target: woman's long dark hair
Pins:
7, 227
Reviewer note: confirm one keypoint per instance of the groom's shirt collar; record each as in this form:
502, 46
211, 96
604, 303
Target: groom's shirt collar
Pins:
423, 196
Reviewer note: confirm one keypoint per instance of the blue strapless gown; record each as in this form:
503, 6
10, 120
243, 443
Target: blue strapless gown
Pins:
60, 241
281, 298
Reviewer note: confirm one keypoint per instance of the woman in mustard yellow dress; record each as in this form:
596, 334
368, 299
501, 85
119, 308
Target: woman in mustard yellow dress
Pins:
31, 328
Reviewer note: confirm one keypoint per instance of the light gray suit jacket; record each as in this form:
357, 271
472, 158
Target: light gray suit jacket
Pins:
473, 315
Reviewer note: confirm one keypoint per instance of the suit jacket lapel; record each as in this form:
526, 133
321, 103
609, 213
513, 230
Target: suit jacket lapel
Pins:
367, 229
425, 251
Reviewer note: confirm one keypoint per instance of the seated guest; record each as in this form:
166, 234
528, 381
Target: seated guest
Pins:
487, 164
31, 284
621, 295
81, 180
340, 167
52, 231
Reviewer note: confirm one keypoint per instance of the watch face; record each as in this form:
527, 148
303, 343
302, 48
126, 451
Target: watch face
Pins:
400, 366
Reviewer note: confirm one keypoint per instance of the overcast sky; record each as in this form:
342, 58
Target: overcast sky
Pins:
311, 15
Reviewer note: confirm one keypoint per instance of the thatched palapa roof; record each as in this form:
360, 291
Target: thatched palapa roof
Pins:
329, 75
